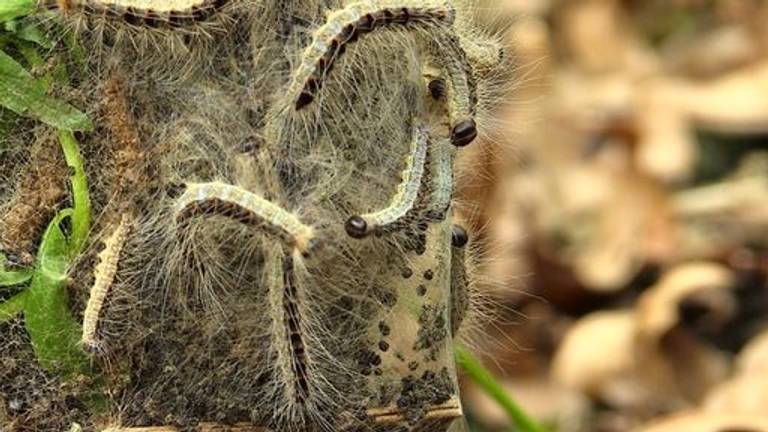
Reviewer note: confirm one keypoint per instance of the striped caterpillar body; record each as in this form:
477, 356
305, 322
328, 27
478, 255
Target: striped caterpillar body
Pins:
150, 13
441, 180
402, 202
346, 26
297, 396
236, 203
104, 275
293, 332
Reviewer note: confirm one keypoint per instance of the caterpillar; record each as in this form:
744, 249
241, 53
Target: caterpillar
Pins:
346, 26
289, 338
441, 176
151, 13
292, 319
237, 203
462, 89
104, 275
359, 226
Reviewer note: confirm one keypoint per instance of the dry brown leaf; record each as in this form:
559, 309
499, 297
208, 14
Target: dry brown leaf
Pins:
596, 358
709, 422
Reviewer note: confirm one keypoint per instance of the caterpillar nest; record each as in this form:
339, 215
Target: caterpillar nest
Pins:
274, 183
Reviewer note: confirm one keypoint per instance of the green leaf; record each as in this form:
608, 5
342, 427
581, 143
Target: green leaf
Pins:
81, 216
11, 9
13, 307
485, 380
11, 278
31, 54
29, 33
52, 328
54, 332
24, 95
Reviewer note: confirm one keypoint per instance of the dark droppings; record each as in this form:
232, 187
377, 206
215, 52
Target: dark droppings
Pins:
384, 328
432, 331
419, 394
385, 296
367, 358
387, 393
407, 272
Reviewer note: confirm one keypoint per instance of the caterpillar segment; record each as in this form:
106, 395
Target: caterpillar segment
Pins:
200, 199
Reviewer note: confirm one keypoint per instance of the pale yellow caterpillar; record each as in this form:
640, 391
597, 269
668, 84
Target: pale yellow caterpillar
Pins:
151, 13
104, 275
402, 202
346, 26
441, 180
237, 203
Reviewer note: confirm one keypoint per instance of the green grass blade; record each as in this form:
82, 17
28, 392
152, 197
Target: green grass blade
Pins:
485, 380
12, 9
24, 95
81, 216
13, 307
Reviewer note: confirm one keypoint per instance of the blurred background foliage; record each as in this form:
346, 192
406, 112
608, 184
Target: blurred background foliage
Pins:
626, 217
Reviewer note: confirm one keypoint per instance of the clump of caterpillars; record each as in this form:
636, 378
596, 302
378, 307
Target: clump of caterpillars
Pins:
268, 175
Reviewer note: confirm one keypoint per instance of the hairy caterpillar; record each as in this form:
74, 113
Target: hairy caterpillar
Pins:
462, 90
346, 26
150, 13
234, 202
292, 321
441, 175
301, 384
359, 226
104, 275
